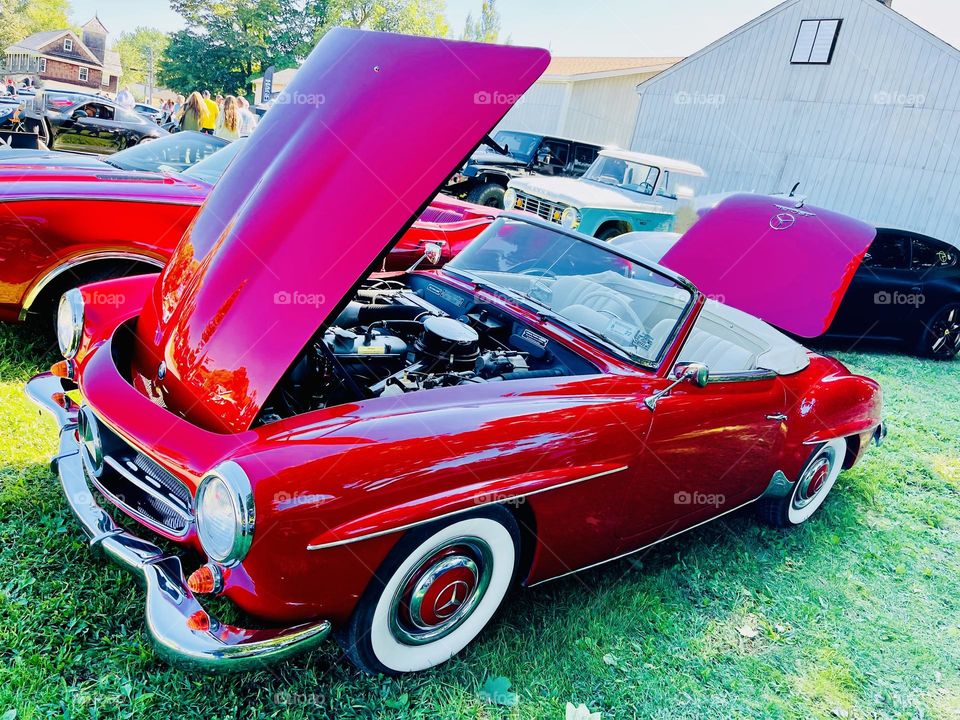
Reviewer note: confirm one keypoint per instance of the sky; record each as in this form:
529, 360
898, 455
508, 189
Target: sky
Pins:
575, 27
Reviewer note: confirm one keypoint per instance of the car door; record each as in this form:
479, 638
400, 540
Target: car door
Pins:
711, 449
552, 156
84, 132
877, 303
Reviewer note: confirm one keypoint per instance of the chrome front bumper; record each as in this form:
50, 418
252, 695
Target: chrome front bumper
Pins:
181, 630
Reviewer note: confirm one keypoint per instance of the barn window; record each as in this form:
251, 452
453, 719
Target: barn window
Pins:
67, 45
84, 74
816, 41
42, 65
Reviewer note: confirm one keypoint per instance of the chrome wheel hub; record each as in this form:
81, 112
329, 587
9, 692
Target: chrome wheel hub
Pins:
441, 591
813, 480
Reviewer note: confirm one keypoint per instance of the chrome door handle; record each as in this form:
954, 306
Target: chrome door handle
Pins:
779, 417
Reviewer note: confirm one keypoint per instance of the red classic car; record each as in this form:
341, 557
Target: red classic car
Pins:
389, 455
64, 225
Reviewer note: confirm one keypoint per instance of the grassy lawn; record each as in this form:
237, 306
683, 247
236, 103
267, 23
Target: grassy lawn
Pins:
855, 615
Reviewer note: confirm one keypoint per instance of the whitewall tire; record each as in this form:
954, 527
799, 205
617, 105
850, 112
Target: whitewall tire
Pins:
811, 488
435, 592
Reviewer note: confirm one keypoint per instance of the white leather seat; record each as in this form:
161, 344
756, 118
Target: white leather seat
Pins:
569, 291
719, 355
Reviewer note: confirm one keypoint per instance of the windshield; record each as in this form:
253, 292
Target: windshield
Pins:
521, 145
630, 308
211, 169
626, 174
175, 152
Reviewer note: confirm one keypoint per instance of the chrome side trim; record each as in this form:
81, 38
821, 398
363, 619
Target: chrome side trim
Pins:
38, 287
746, 376
454, 513
644, 547
182, 631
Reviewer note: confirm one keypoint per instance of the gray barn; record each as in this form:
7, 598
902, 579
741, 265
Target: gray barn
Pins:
847, 97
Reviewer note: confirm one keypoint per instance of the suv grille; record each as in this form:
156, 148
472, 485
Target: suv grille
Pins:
544, 208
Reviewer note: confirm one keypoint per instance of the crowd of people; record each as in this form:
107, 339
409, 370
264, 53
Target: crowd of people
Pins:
227, 117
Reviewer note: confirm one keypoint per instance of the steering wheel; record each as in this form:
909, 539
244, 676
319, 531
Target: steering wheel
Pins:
645, 188
542, 272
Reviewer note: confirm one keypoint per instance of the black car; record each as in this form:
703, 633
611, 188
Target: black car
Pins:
907, 289
510, 154
79, 122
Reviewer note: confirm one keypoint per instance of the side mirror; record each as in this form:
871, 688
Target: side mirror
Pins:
432, 253
694, 373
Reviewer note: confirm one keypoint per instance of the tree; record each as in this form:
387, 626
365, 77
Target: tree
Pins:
134, 50
487, 28
22, 18
229, 43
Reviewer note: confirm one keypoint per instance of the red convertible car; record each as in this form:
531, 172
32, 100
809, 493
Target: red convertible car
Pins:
388, 456
64, 225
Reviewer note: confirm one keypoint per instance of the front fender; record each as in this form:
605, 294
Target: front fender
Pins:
108, 304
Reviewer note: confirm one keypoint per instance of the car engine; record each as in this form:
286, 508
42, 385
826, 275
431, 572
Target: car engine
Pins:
389, 340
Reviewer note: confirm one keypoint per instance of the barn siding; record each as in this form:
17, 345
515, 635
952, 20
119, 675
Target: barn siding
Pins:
873, 135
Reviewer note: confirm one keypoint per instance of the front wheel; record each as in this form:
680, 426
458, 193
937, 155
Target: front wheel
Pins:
940, 338
811, 489
435, 592
489, 195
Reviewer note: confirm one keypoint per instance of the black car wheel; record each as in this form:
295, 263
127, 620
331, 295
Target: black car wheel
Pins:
940, 338
489, 195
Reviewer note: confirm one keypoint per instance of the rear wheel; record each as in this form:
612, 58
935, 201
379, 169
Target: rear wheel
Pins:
489, 194
812, 487
940, 338
435, 592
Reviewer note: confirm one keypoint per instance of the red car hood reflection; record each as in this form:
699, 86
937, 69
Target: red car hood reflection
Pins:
370, 128
91, 183
787, 265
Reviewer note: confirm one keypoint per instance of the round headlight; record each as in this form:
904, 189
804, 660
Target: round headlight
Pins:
70, 322
225, 514
570, 218
510, 199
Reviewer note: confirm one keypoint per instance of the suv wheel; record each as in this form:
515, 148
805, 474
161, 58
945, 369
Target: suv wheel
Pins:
490, 194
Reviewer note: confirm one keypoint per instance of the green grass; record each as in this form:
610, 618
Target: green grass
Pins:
856, 614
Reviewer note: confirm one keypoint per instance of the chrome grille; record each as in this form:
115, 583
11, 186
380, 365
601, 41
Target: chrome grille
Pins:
544, 208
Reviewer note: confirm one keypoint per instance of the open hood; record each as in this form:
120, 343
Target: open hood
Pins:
785, 264
345, 160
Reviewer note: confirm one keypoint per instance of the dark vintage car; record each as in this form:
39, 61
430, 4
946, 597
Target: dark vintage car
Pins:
389, 456
171, 153
511, 154
87, 123
907, 290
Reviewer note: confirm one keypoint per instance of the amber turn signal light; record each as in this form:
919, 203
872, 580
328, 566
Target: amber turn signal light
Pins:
63, 369
205, 579
199, 621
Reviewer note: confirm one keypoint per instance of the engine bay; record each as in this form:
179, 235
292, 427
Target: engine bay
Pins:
398, 337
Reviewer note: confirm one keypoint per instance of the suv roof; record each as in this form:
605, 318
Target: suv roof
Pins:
680, 167
546, 137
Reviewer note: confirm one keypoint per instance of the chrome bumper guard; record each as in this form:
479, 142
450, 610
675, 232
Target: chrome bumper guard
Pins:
182, 632
881, 434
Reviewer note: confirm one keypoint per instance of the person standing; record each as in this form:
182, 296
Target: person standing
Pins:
210, 117
125, 98
248, 120
228, 121
194, 113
